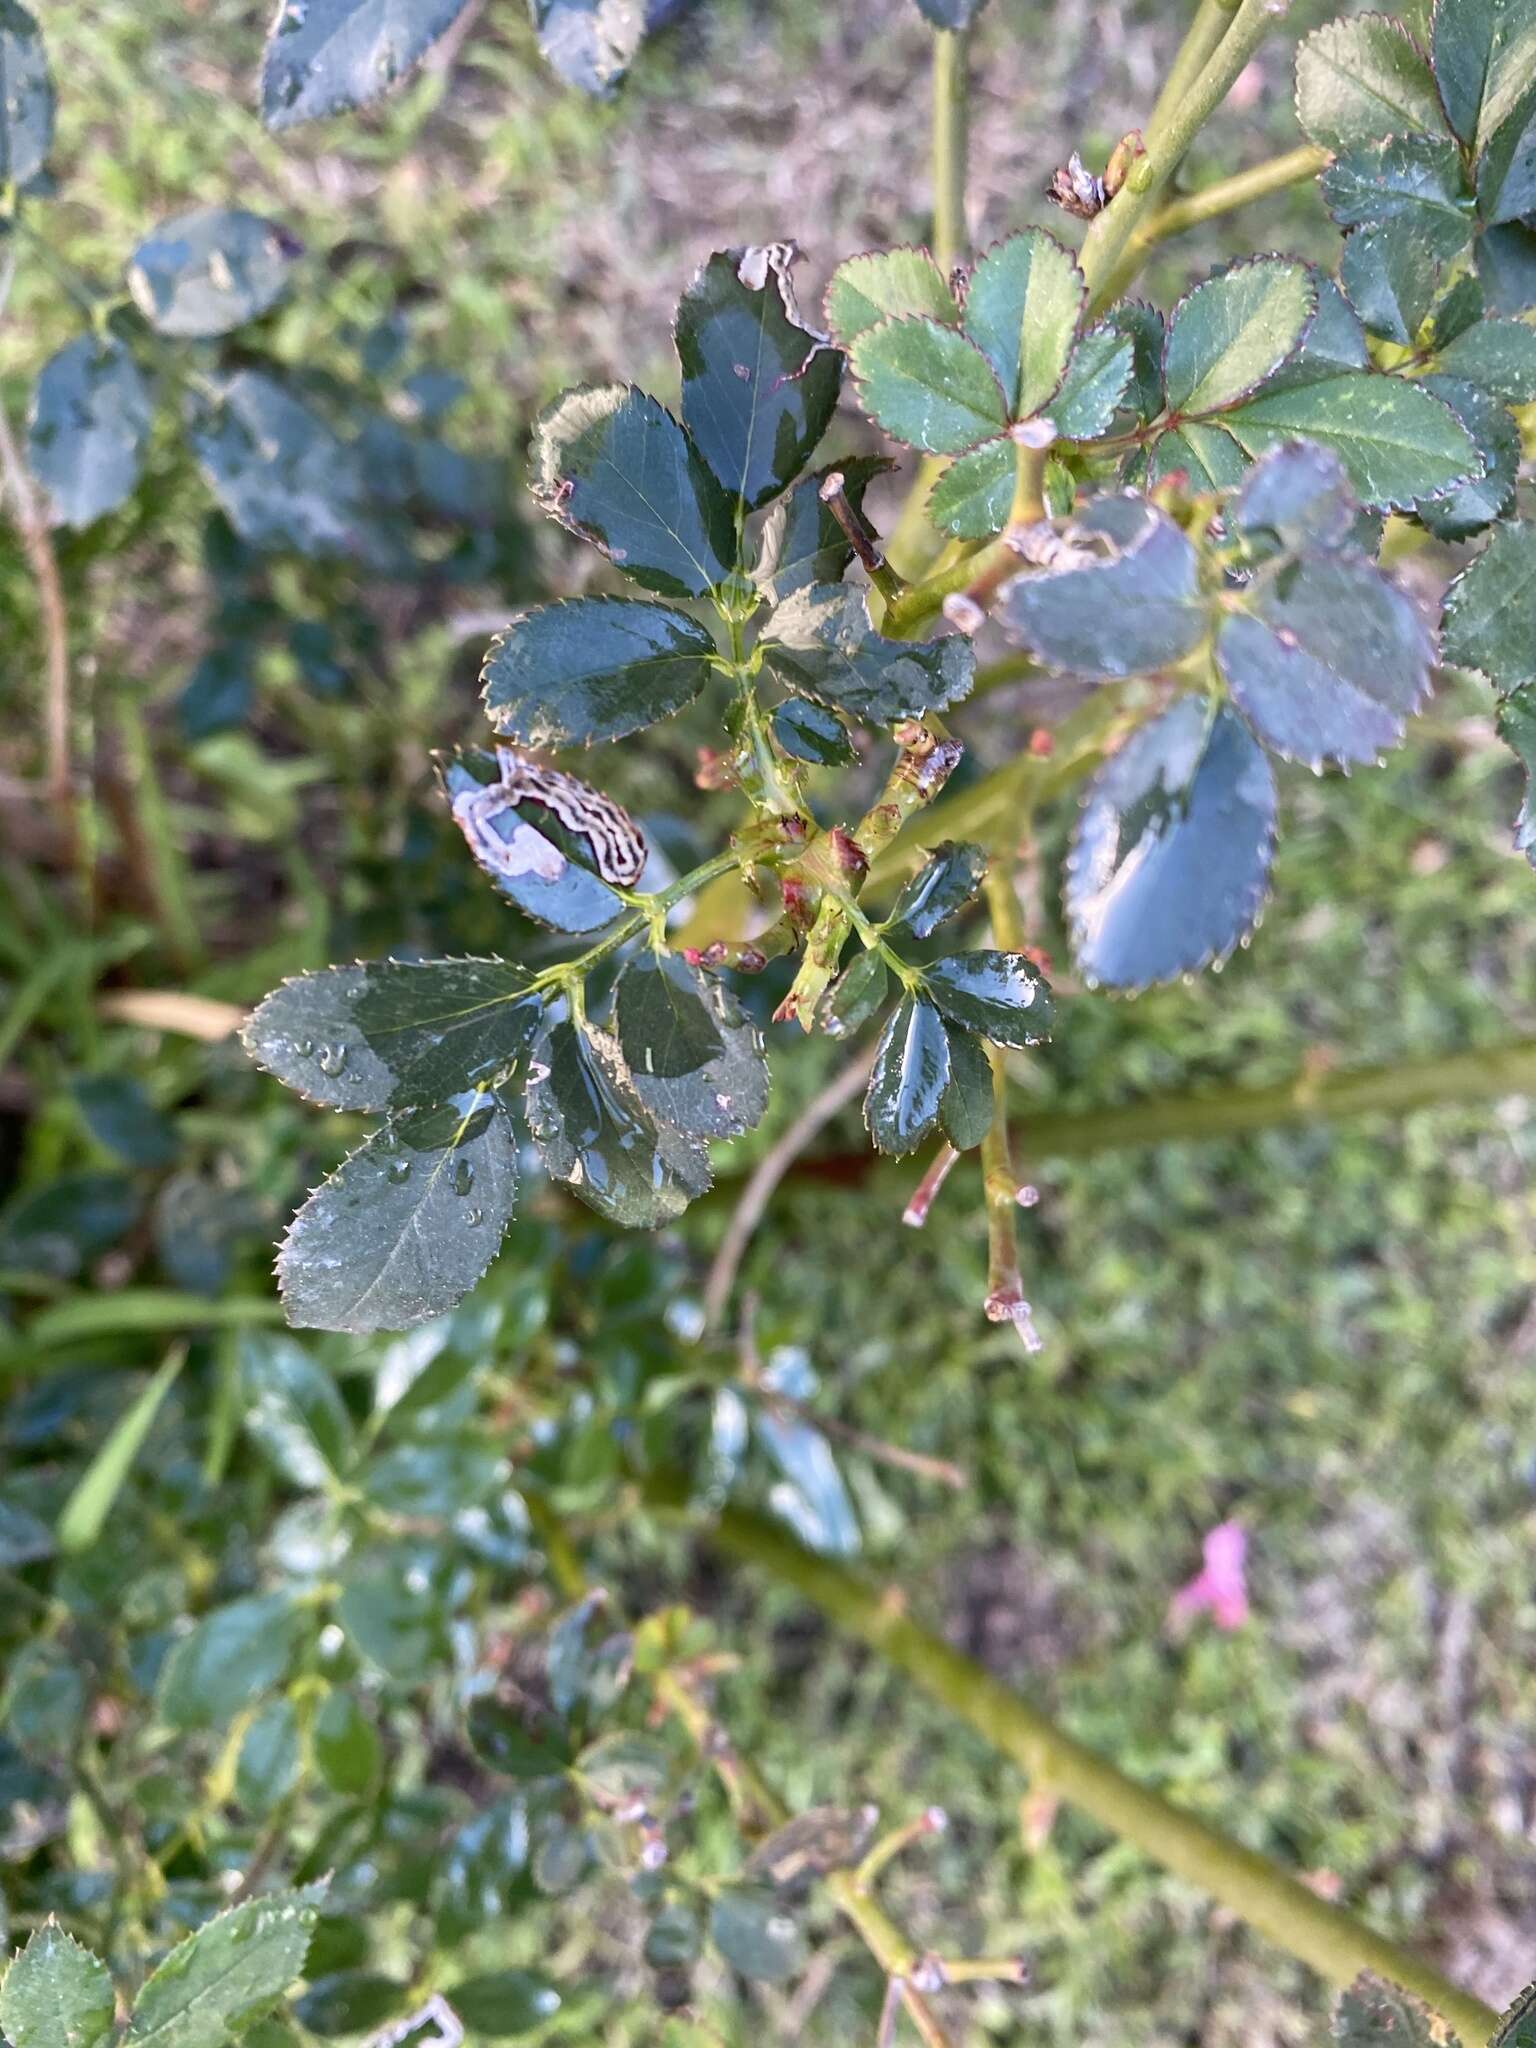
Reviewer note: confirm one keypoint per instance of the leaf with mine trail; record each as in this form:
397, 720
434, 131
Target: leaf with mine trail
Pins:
531, 855
694, 1058
593, 668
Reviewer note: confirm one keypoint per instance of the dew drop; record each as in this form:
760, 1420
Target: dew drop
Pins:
305, 1048
473, 1216
463, 1177
332, 1059
399, 1171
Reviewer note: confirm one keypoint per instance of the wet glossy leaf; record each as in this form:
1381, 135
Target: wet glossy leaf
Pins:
694, 1060
326, 56
615, 467
1327, 658
910, 1075
282, 478
1022, 307
350, 2002
504, 2003
1299, 496
887, 284
801, 540
504, 1739
228, 1659
967, 1108
1001, 995
759, 388
1415, 178
1497, 355
268, 1766
756, 1936
1375, 2014
1397, 442
820, 643
809, 732
1230, 333
26, 106
1517, 729
206, 272
973, 497
89, 420
293, 1411
394, 1034
1170, 859
1490, 609
940, 889
927, 385
1364, 80
1391, 274
1095, 385
1476, 504
56, 1994
407, 1224
593, 668
534, 859
596, 1136
346, 1745
855, 996
1125, 600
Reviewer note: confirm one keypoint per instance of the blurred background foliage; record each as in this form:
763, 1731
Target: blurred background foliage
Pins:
1326, 1333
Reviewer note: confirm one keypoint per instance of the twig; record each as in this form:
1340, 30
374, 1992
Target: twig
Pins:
875, 1447
767, 1174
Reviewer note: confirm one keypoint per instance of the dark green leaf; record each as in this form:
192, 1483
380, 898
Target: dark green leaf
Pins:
615, 467
1170, 860
228, 1660
227, 1974
927, 385
407, 1224
756, 1936
483, 1872
293, 1411
1391, 274
434, 1481
808, 732
1299, 495
392, 1608
1206, 454
1497, 355
1124, 596
820, 642
910, 1075
1095, 384
759, 388
1506, 267
620, 1767
1459, 306
393, 1034
42, 1707
23, 1538
346, 1745
349, 2002
1415, 178
888, 284
1476, 504
694, 1060
1484, 51
268, 1765
1363, 80
504, 2003
67, 1221
338, 1943
802, 541
1145, 326
973, 497
967, 1109
1022, 306
595, 1135
1375, 2014
1326, 658
940, 889
1235, 330
593, 668
674, 1938
87, 427
1490, 609
282, 478
1000, 995
535, 859
855, 996
26, 103
56, 1994
1517, 729
1397, 441
118, 1114
211, 270
501, 1737
1335, 341
592, 43
326, 56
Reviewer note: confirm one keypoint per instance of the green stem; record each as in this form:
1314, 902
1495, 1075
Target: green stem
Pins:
1274, 1903
1211, 21
951, 136
1273, 175
649, 908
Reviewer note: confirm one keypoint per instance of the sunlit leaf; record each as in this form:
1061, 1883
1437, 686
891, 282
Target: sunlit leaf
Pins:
56, 1994
855, 996
756, 1936
1022, 307
593, 668
326, 56
809, 732
1363, 80
85, 1513
973, 497
1000, 995
228, 1659
947, 881
928, 385
206, 272
1096, 383
86, 429
1397, 441
393, 1609
1230, 333
1124, 597
887, 284
592, 43
292, 1409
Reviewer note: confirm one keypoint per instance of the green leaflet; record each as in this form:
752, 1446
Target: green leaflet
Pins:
1002, 996
85, 1513
229, 1659
1022, 306
1406, 177
1478, 502
1497, 355
292, 1410
1391, 274
887, 284
337, 54
820, 642
928, 385
593, 668
207, 272
973, 497
755, 1934
1097, 379
968, 1106
56, 1994
910, 1075
1363, 80
26, 107
1490, 609
87, 428
1397, 442
693, 1059
1517, 729
801, 539
1230, 333
947, 881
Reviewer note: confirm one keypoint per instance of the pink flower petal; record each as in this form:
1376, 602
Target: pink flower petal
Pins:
1220, 1589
